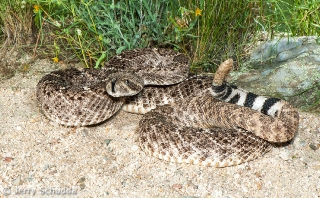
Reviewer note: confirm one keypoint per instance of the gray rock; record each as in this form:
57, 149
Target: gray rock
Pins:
270, 49
289, 54
281, 49
293, 74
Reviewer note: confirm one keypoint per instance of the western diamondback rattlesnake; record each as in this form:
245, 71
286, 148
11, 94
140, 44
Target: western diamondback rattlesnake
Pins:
195, 128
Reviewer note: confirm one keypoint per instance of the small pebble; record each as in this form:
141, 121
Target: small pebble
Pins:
17, 181
313, 147
284, 155
81, 180
107, 141
19, 128
177, 186
7, 159
134, 148
302, 143
84, 132
82, 186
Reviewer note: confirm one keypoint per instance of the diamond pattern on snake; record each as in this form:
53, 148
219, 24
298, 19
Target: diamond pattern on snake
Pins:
187, 119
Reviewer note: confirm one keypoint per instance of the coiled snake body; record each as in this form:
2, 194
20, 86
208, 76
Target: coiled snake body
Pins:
191, 120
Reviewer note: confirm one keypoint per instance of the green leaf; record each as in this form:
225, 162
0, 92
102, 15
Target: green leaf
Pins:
101, 58
120, 49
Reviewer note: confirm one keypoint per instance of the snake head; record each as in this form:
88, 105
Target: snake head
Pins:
124, 84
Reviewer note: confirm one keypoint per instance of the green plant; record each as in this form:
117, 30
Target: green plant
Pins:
207, 30
308, 20
222, 31
293, 17
96, 30
15, 21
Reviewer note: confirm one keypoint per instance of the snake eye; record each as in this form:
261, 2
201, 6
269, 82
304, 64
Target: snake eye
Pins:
127, 82
113, 83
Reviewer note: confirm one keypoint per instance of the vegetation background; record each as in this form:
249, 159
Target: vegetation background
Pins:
208, 31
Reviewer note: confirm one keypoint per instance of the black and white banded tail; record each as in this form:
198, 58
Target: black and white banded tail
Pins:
235, 95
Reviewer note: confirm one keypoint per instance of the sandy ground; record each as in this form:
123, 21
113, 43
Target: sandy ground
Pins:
41, 158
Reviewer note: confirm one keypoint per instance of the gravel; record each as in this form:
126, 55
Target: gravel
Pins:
38, 157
